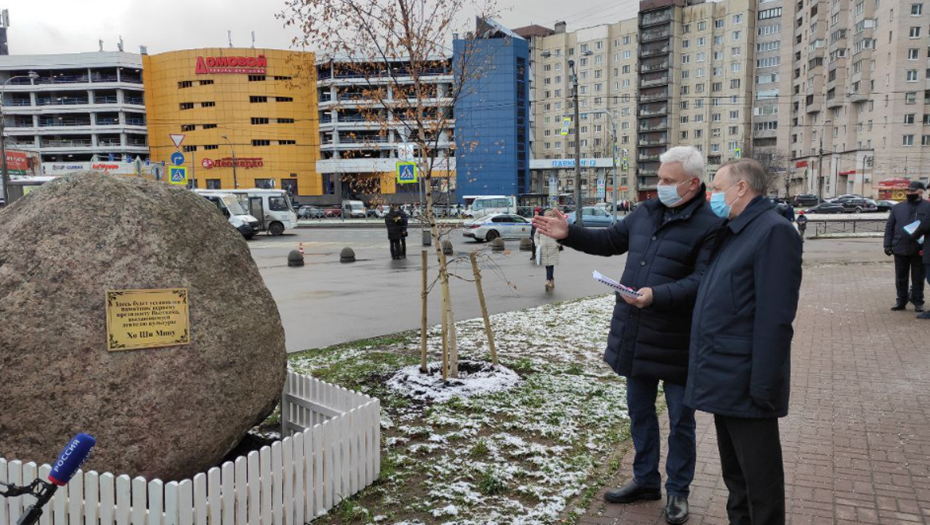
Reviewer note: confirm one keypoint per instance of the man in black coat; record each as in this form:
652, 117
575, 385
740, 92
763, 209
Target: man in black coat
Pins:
924, 231
668, 243
741, 341
394, 220
907, 261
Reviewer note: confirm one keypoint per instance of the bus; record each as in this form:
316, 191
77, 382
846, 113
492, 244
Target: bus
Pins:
272, 208
480, 206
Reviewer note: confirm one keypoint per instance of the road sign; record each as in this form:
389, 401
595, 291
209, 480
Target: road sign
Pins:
177, 175
177, 138
566, 122
177, 158
407, 173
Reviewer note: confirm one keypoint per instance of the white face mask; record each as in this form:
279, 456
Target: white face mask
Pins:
668, 195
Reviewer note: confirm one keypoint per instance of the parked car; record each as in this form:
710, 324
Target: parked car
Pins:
805, 199
333, 212
309, 212
594, 217
857, 205
827, 207
503, 225
845, 197
885, 205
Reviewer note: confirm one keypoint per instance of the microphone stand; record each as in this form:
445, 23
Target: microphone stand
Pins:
41, 490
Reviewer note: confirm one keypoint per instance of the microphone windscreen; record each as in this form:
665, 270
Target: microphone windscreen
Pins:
71, 458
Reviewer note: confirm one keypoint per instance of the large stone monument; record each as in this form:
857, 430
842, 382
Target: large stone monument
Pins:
134, 312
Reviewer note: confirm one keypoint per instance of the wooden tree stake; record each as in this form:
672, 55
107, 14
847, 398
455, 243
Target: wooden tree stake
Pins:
424, 262
484, 308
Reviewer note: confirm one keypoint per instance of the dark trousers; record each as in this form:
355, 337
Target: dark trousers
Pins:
395, 248
750, 456
909, 267
550, 273
403, 246
644, 427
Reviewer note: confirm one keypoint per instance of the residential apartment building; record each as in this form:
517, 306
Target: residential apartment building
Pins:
859, 106
363, 129
81, 107
680, 73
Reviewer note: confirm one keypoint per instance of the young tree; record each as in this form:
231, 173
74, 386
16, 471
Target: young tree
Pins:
393, 48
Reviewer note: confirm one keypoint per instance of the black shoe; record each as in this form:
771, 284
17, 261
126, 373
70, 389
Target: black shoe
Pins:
925, 315
919, 308
898, 307
630, 493
676, 510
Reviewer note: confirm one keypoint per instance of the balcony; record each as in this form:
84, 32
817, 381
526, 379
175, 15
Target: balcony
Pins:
648, 158
70, 143
651, 82
135, 121
364, 140
654, 50
646, 141
62, 79
858, 97
652, 35
648, 67
112, 99
137, 143
108, 121
652, 97
651, 19
20, 102
61, 101
63, 122
109, 142
655, 125
104, 78
656, 111
135, 101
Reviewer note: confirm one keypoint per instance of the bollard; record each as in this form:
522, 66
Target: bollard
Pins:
526, 245
447, 248
347, 255
497, 245
295, 258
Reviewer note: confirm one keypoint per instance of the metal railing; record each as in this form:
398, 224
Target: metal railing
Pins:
106, 100
78, 143
830, 227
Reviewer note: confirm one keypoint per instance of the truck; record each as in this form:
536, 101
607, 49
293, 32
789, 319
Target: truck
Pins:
228, 204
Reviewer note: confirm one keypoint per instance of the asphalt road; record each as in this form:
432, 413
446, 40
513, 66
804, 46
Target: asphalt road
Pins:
326, 302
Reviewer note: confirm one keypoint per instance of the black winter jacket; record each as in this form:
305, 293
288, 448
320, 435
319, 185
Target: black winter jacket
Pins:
901, 215
924, 231
396, 224
652, 343
741, 336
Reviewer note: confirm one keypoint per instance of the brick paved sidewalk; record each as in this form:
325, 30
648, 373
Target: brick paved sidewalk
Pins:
857, 438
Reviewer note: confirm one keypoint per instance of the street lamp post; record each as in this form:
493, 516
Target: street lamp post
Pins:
231, 148
820, 162
6, 174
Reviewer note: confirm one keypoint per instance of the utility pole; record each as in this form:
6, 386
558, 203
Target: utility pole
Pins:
578, 220
820, 169
235, 179
614, 153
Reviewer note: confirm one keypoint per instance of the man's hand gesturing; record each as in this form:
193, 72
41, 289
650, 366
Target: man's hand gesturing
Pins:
555, 226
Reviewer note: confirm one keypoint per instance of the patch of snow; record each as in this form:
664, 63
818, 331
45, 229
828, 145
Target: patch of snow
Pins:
450, 510
485, 380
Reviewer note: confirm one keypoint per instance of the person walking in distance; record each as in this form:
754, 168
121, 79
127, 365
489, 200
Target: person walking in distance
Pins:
404, 220
740, 359
395, 230
548, 249
668, 243
923, 231
907, 261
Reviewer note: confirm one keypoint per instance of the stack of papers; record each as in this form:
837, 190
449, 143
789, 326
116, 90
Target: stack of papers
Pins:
619, 288
911, 228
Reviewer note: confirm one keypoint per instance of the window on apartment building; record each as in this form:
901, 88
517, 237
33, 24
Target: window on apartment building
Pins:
211, 147
735, 67
917, 9
284, 99
768, 62
584, 62
718, 24
626, 55
188, 127
599, 45
185, 84
702, 56
598, 73
187, 105
699, 73
914, 32
734, 84
625, 83
714, 148
718, 40
256, 78
732, 146
718, 55
734, 51
736, 35
718, 71
685, 29
261, 142
908, 140
597, 89
715, 117
683, 119
702, 26
558, 93
717, 86
734, 130
685, 90
599, 59
701, 41
584, 48
625, 69
685, 74
627, 40
189, 148
699, 88
685, 59
206, 82
684, 135
625, 126
257, 100
685, 44
625, 112
738, 19
925, 140
287, 142
259, 121
209, 126
734, 114
912, 75
765, 14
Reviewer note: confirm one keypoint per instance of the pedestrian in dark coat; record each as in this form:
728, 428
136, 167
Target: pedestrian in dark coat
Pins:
405, 220
395, 229
667, 242
924, 231
906, 251
740, 360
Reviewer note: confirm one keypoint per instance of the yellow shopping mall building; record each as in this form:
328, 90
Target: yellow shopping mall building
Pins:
248, 117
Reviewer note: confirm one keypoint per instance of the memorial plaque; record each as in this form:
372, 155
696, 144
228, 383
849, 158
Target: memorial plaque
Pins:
154, 318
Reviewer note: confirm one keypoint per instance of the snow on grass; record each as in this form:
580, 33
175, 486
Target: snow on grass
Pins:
475, 379
518, 455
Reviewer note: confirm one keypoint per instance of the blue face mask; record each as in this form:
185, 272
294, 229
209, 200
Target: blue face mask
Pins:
668, 195
718, 204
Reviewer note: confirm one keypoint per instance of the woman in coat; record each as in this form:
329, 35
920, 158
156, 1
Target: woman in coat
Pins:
548, 249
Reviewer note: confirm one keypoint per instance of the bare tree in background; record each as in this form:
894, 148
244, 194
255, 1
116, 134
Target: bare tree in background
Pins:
393, 48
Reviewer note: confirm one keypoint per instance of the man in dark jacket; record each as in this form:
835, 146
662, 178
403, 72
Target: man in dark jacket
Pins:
907, 260
924, 231
394, 220
741, 341
668, 243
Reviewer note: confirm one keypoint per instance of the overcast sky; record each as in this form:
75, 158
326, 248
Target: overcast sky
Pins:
66, 26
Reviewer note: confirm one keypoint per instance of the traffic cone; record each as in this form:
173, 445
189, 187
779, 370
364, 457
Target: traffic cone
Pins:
300, 248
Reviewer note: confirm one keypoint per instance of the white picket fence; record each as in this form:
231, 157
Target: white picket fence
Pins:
330, 450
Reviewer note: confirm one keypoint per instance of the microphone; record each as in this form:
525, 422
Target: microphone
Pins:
71, 458
69, 461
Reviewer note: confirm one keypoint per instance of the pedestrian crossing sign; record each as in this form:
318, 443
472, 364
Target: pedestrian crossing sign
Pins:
407, 173
177, 175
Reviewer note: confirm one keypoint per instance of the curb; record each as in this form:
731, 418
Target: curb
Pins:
367, 224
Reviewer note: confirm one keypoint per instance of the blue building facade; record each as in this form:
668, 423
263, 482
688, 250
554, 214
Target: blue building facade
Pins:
492, 113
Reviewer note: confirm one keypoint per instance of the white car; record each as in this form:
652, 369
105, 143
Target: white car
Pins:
503, 225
